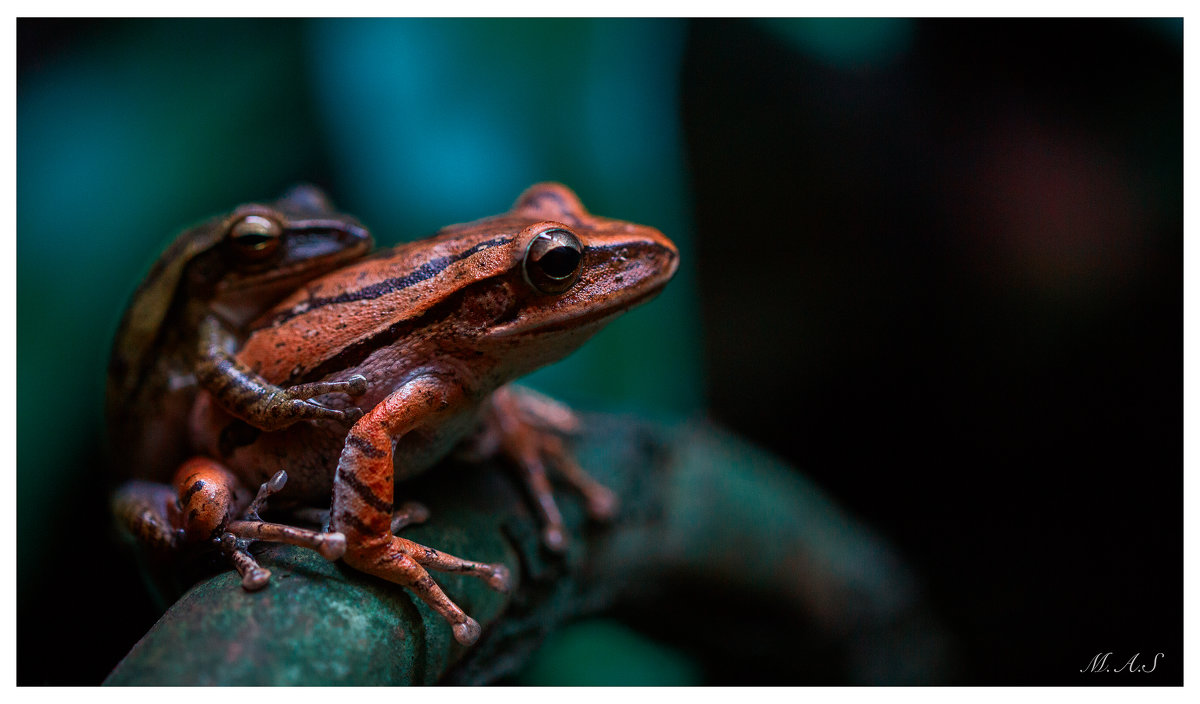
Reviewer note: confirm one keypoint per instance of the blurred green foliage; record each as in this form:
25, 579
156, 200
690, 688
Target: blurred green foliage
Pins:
846, 42
440, 121
587, 653
128, 131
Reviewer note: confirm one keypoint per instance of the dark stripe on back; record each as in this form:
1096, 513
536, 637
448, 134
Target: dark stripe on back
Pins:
355, 353
426, 271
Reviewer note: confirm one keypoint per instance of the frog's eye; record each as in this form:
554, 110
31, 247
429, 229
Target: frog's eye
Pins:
255, 236
552, 260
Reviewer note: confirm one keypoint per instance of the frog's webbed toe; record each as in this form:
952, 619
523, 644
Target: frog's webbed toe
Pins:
404, 562
268, 407
466, 632
353, 386
288, 405
495, 576
254, 575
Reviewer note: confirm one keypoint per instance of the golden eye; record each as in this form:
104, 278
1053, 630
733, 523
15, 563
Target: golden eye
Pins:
552, 260
255, 236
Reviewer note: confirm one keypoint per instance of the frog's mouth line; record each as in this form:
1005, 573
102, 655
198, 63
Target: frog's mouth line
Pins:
584, 319
634, 302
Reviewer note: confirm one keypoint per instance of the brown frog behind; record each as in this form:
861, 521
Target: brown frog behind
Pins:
190, 313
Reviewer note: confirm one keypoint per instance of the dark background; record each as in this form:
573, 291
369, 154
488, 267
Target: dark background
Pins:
937, 265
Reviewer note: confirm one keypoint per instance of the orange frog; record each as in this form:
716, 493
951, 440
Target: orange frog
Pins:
178, 336
438, 328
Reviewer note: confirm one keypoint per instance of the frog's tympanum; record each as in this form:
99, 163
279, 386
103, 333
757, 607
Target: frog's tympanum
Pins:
437, 328
179, 333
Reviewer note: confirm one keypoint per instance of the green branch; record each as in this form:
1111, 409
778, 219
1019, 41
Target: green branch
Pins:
697, 503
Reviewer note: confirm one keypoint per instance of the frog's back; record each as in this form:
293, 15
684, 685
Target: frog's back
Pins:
330, 324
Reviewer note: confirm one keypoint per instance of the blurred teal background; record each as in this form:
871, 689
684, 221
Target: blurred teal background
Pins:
130, 130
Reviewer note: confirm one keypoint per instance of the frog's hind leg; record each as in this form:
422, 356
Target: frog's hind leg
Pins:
144, 510
526, 428
201, 509
528, 459
602, 503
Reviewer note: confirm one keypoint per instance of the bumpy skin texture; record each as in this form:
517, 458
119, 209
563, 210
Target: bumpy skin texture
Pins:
435, 327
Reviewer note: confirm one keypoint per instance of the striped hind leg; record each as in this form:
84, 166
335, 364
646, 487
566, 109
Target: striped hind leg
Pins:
362, 505
144, 510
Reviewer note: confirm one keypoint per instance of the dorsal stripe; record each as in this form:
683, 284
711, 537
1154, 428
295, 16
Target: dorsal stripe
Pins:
426, 271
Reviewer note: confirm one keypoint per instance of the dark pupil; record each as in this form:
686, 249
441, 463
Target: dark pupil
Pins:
559, 262
250, 241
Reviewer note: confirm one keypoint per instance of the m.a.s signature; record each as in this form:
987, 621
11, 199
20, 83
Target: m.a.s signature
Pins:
1099, 663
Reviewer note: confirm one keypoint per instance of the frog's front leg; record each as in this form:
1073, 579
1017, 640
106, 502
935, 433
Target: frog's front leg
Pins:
212, 507
245, 394
362, 504
525, 426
